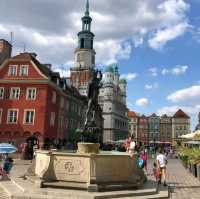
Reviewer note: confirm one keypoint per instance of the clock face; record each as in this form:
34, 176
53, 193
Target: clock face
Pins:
80, 57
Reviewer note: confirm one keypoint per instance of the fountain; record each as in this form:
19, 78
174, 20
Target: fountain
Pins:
88, 168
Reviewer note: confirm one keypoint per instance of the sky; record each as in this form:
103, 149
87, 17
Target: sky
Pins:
155, 43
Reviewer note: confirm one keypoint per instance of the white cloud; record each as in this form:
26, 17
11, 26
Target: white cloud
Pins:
153, 71
63, 71
129, 76
161, 37
177, 70
171, 110
189, 95
142, 102
151, 86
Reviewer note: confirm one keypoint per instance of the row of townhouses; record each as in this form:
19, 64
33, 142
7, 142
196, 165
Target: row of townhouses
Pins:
154, 129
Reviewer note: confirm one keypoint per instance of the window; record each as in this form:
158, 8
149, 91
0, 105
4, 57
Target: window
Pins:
53, 97
1, 92
31, 93
23, 70
52, 119
1, 112
12, 70
12, 116
29, 116
14, 93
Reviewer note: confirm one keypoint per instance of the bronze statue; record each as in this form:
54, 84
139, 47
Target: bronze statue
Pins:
93, 93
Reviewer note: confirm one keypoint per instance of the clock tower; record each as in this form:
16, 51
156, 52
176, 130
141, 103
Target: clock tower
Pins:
81, 73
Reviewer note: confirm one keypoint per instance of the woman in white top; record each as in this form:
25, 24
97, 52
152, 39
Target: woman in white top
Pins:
161, 164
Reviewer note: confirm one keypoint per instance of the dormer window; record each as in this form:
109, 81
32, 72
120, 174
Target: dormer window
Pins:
12, 70
23, 70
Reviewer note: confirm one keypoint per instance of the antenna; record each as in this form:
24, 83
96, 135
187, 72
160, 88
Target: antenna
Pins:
24, 48
11, 38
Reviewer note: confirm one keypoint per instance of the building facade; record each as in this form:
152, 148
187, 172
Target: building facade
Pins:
153, 128
156, 129
112, 99
143, 130
35, 100
166, 128
133, 124
180, 126
198, 125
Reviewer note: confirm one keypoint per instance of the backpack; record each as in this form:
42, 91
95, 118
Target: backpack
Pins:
141, 163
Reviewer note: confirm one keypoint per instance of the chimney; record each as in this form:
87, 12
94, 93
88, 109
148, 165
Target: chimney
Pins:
5, 50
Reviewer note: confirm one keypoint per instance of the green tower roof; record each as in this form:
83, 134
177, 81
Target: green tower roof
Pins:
109, 69
122, 81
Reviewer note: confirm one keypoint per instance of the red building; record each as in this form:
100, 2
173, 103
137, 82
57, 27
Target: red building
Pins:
35, 100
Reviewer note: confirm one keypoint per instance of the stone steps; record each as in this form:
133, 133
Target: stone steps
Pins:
24, 189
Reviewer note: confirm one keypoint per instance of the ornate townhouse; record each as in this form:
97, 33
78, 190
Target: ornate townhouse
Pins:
133, 124
166, 128
154, 128
35, 100
143, 131
180, 126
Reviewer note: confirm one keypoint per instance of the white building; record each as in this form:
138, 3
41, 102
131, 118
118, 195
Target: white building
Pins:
112, 99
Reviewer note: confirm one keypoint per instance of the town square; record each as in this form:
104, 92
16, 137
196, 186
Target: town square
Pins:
99, 99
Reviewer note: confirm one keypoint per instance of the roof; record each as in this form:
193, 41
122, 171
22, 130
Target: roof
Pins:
180, 114
109, 69
164, 116
132, 114
122, 81
153, 115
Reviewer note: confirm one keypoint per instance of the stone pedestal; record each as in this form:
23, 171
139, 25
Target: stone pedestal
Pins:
88, 148
94, 172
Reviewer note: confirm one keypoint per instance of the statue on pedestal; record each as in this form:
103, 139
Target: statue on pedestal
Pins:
93, 93
91, 131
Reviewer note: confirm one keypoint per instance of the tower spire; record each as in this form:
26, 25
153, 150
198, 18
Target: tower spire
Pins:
87, 8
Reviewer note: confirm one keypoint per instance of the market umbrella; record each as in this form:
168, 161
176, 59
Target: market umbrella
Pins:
7, 148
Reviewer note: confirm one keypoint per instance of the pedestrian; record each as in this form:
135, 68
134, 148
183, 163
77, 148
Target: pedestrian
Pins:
161, 165
144, 157
7, 165
131, 148
127, 143
156, 172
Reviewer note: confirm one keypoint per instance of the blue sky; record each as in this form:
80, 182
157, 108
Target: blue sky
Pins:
155, 43
181, 51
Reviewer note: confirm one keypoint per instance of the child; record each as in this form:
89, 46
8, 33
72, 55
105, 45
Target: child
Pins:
156, 172
144, 157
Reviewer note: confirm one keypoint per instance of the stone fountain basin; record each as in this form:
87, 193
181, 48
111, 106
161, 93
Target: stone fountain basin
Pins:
88, 171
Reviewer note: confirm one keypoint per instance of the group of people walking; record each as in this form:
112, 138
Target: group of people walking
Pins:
140, 154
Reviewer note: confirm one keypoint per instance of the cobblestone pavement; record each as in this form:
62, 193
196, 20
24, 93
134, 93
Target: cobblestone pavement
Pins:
3, 195
182, 184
